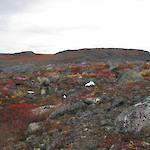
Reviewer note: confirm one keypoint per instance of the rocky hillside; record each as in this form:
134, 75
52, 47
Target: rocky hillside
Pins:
100, 100
27, 62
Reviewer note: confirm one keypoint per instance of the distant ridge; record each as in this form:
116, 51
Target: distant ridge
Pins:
82, 55
24, 53
85, 49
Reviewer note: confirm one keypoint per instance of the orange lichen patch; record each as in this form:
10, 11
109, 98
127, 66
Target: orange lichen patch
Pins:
131, 81
145, 72
112, 75
89, 74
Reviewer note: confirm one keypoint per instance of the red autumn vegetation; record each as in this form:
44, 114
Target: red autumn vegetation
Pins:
17, 114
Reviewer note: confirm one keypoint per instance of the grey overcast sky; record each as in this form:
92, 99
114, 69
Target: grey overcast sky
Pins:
50, 26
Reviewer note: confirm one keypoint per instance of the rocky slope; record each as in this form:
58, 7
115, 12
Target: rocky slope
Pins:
99, 102
27, 62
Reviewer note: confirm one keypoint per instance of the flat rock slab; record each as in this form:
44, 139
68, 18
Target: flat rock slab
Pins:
68, 109
42, 109
128, 75
92, 100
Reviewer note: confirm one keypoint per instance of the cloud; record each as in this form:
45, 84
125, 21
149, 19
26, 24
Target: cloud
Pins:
14, 6
71, 24
57, 30
4, 23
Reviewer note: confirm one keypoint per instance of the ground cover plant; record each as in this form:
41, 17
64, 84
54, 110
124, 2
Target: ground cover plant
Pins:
89, 126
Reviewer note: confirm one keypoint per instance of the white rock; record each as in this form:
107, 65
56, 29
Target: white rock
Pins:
64, 96
30, 92
90, 83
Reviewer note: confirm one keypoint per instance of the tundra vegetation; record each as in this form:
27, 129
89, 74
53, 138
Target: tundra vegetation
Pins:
112, 114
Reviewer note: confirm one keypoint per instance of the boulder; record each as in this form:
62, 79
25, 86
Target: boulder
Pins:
42, 109
103, 80
118, 101
68, 109
128, 75
54, 76
114, 147
134, 118
135, 88
92, 100
136, 68
34, 127
108, 122
73, 93
113, 68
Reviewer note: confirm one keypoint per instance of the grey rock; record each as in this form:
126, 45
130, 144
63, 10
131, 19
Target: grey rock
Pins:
72, 121
128, 74
118, 101
106, 97
102, 149
134, 118
113, 63
135, 88
92, 100
113, 68
68, 109
106, 122
42, 109
136, 68
31, 138
148, 139
30, 96
104, 80
73, 93
93, 145
65, 70
87, 113
54, 76
114, 147
33, 127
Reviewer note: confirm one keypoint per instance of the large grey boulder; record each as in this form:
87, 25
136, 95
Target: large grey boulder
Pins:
68, 109
128, 75
134, 118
